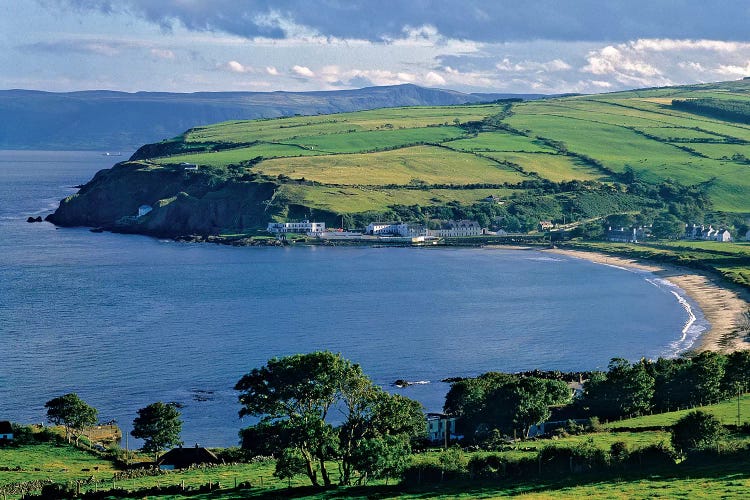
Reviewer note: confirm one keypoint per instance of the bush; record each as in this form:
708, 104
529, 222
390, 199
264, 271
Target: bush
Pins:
487, 467
655, 455
696, 431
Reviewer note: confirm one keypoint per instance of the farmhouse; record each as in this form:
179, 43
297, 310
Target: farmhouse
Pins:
182, 458
545, 225
6, 431
304, 227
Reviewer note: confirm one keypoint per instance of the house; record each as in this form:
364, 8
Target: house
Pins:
438, 424
182, 458
454, 229
545, 225
304, 227
493, 199
143, 210
622, 235
189, 166
723, 236
6, 432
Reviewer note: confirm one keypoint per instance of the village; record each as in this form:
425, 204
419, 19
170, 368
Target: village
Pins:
415, 233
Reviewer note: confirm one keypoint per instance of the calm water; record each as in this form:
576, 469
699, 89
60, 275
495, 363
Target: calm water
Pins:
129, 320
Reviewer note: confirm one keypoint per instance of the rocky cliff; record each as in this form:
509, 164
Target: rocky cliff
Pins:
208, 201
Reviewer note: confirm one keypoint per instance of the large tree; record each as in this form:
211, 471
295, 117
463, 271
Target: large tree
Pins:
159, 425
293, 398
71, 412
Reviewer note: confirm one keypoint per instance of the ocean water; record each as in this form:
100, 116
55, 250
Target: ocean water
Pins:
127, 320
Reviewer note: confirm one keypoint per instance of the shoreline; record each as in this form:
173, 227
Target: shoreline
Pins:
723, 305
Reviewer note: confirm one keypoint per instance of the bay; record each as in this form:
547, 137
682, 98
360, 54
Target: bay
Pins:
127, 320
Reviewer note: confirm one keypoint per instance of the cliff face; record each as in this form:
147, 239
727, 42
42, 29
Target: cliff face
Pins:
203, 202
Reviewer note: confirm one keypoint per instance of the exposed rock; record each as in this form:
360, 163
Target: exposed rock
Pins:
34, 219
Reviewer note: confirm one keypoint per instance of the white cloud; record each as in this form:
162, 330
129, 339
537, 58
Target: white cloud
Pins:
732, 70
271, 70
670, 45
530, 66
237, 67
162, 53
303, 71
432, 79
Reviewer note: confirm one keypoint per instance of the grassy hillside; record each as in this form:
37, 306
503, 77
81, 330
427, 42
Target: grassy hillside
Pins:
565, 159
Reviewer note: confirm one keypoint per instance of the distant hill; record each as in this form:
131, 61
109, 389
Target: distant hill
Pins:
112, 121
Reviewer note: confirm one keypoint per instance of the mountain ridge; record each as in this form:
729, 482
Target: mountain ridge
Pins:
114, 120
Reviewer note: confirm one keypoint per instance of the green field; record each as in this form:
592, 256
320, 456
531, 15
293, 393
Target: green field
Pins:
636, 129
431, 165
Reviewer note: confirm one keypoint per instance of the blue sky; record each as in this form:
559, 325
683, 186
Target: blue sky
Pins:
545, 46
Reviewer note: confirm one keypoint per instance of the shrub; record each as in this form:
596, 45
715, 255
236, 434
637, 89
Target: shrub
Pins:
696, 431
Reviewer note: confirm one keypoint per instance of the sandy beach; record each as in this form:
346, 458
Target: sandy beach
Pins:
723, 304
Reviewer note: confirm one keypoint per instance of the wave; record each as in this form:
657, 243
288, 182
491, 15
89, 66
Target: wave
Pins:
694, 326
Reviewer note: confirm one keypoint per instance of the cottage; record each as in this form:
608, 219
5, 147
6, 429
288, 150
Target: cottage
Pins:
304, 227
6, 432
545, 225
143, 210
622, 235
493, 199
182, 458
189, 166
437, 426
723, 236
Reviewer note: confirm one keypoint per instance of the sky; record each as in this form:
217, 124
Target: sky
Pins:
509, 46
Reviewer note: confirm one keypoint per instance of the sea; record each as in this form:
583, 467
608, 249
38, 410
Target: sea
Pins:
127, 320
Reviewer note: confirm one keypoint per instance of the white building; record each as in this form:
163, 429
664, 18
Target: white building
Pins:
403, 229
723, 236
438, 425
304, 227
189, 166
143, 210
457, 229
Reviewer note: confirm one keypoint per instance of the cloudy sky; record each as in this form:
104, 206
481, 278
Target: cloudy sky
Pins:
544, 46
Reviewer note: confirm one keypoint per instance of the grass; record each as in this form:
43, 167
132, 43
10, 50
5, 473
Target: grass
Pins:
50, 461
428, 164
363, 199
726, 412
500, 141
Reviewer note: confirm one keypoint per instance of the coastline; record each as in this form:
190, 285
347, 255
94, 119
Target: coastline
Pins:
722, 304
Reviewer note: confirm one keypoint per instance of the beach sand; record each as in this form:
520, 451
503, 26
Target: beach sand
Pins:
724, 305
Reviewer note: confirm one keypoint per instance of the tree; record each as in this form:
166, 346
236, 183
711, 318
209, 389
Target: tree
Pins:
293, 397
71, 412
667, 226
159, 425
697, 430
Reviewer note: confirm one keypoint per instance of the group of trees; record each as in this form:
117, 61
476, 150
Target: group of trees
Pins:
318, 408
503, 402
733, 110
158, 424
664, 384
